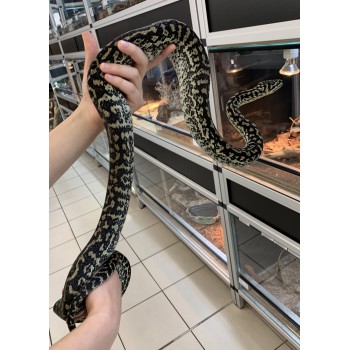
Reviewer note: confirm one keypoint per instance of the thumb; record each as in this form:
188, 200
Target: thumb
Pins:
91, 51
91, 48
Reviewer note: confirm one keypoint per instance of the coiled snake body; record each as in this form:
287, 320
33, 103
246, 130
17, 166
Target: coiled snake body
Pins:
98, 260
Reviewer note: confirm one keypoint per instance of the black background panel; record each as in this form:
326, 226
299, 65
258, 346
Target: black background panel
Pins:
179, 10
69, 45
196, 173
55, 49
277, 216
229, 14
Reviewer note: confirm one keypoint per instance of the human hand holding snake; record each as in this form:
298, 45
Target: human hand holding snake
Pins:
126, 78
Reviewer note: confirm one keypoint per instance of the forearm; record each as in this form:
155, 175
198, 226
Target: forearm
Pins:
94, 333
100, 328
70, 139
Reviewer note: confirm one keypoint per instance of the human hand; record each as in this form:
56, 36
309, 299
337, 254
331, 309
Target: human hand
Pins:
104, 302
126, 78
100, 328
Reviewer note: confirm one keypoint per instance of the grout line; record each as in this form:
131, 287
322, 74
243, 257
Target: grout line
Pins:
72, 239
120, 338
73, 190
135, 233
50, 337
195, 326
60, 269
279, 346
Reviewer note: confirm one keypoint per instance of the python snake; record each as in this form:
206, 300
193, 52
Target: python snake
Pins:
99, 259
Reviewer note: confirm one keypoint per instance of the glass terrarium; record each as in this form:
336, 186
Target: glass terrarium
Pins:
199, 215
268, 271
100, 9
162, 114
277, 116
64, 87
68, 15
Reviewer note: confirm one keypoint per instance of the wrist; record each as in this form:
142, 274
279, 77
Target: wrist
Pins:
87, 110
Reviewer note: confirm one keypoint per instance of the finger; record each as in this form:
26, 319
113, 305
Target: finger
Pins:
136, 54
91, 51
127, 72
90, 47
164, 54
125, 86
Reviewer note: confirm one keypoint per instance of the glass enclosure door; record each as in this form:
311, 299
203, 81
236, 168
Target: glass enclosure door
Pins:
269, 269
276, 115
199, 215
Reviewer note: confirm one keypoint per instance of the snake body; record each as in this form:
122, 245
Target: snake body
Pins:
99, 259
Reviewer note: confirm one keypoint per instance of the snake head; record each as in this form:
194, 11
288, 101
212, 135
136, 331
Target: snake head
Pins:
272, 85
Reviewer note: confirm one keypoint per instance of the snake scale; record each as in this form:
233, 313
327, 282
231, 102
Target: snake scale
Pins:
99, 259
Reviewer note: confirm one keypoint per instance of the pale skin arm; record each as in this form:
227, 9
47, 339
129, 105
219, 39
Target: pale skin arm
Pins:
72, 137
67, 142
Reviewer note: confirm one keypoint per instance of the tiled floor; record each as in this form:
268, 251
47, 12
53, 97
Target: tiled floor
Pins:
174, 301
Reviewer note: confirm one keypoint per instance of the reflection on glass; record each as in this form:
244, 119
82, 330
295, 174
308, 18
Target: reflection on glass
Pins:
52, 31
68, 16
277, 116
150, 179
103, 8
197, 213
63, 87
269, 268
56, 62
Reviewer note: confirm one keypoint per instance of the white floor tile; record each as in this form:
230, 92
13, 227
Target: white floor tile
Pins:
101, 196
150, 325
99, 185
172, 264
125, 249
51, 192
85, 168
94, 175
63, 255
133, 205
117, 345
85, 223
68, 185
58, 327
54, 204
56, 218
186, 342
60, 234
74, 195
234, 328
69, 174
138, 221
198, 296
142, 286
84, 239
56, 284
151, 240
81, 207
